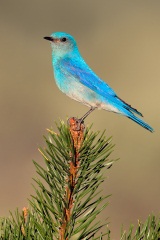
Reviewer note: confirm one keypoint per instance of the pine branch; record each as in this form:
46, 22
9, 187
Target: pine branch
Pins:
69, 200
67, 196
144, 231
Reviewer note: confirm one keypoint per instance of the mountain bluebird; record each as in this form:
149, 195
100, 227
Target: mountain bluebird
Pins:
77, 80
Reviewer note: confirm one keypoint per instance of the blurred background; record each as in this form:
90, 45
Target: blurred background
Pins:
120, 40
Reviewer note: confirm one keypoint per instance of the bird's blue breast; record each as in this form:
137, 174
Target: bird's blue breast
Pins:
70, 84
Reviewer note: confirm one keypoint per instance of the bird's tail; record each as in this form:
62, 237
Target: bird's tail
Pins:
140, 122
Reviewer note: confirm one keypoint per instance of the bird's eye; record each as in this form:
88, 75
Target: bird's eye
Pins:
63, 39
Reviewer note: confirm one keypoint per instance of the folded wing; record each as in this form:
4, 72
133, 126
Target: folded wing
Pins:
81, 71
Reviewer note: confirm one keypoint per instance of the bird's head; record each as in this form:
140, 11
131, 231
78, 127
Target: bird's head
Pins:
61, 43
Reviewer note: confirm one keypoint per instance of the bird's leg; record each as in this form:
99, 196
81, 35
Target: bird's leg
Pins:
86, 114
77, 123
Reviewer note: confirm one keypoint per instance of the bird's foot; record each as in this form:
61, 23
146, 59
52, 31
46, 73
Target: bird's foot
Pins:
76, 127
76, 124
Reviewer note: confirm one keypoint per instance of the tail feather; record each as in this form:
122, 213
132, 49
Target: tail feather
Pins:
140, 122
129, 107
126, 110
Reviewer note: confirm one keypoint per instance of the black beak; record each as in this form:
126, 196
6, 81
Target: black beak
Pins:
48, 38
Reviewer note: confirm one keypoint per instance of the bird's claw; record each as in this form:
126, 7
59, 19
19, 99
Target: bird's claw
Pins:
76, 124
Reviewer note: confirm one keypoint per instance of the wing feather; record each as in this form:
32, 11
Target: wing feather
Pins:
81, 71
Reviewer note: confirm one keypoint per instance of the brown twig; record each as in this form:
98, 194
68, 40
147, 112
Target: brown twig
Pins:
77, 131
25, 215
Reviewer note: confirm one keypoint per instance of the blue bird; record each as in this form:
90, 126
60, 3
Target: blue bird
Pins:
77, 80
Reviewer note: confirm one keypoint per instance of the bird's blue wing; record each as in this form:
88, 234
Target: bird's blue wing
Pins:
80, 70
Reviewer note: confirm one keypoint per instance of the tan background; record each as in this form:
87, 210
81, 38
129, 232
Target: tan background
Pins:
120, 40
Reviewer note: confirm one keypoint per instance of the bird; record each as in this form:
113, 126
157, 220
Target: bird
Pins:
78, 81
